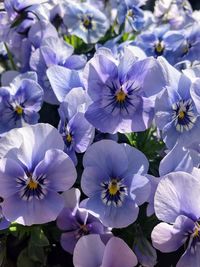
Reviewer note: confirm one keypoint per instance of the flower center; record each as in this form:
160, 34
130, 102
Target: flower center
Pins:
159, 48
19, 110
32, 188
183, 115
114, 192
87, 21
83, 230
196, 232
130, 13
69, 138
120, 96
113, 187
32, 185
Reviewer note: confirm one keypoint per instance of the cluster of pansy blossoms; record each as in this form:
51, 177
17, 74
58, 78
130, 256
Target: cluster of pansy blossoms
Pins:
99, 133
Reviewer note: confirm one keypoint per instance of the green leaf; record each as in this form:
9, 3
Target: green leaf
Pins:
20, 231
13, 65
36, 254
38, 237
24, 259
79, 46
125, 36
2, 250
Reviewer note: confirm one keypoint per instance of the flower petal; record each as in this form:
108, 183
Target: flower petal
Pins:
173, 197
58, 169
168, 238
111, 257
88, 251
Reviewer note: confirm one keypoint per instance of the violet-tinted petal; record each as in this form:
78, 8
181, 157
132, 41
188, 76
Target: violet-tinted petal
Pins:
30, 94
145, 253
63, 80
56, 166
105, 122
115, 217
195, 93
33, 212
75, 62
77, 100
168, 238
37, 139
71, 198
48, 55
154, 183
30, 75
41, 30
173, 197
83, 132
92, 178
178, 159
88, 251
171, 74
149, 74
137, 161
68, 241
66, 220
4, 224
140, 188
126, 62
8, 76
107, 155
9, 171
97, 71
111, 257
11, 141
191, 257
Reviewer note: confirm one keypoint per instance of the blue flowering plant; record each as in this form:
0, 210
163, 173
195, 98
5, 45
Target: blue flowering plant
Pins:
99, 133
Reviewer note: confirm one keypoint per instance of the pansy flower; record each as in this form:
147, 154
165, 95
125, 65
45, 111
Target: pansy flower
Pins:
85, 21
177, 108
76, 131
22, 14
53, 51
32, 172
190, 49
20, 102
113, 179
177, 13
75, 221
160, 41
121, 91
131, 15
177, 205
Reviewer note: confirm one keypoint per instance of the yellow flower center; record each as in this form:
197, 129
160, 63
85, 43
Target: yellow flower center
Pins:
19, 110
181, 114
120, 96
69, 138
113, 187
86, 22
196, 232
32, 184
159, 47
130, 13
